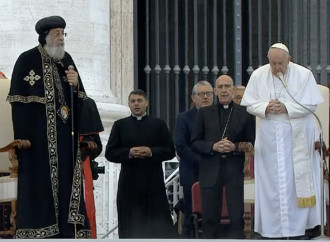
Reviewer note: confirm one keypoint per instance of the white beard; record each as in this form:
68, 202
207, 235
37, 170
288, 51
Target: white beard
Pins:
56, 52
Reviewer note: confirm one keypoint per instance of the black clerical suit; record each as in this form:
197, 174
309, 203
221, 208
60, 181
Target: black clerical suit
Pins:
143, 210
222, 169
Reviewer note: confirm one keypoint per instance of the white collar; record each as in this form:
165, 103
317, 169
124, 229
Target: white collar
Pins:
139, 117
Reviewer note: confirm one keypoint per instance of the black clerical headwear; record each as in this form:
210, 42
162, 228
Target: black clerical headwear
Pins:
45, 24
48, 23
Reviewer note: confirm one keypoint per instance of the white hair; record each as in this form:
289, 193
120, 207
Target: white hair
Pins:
56, 52
201, 83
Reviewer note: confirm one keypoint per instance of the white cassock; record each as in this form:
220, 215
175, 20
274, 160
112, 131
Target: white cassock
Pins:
280, 137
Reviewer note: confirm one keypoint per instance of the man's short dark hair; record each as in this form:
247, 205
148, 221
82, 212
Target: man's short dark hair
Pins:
138, 92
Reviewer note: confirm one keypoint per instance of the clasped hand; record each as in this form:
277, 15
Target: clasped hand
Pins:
72, 77
275, 107
140, 152
224, 146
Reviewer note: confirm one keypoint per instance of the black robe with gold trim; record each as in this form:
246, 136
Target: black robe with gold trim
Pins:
50, 198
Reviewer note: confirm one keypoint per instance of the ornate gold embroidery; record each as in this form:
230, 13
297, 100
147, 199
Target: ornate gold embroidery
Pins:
82, 95
49, 231
306, 202
51, 125
74, 216
29, 99
37, 233
32, 77
83, 233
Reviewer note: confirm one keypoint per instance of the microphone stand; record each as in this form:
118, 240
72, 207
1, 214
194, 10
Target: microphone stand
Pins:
72, 135
72, 122
70, 67
323, 161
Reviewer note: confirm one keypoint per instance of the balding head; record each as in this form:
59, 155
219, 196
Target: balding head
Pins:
223, 78
224, 89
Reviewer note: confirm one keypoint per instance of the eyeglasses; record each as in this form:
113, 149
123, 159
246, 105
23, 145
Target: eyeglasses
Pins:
58, 34
202, 94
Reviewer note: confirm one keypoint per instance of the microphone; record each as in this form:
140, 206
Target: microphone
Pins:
281, 77
70, 67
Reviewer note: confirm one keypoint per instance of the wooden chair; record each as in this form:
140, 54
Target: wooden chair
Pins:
8, 158
323, 113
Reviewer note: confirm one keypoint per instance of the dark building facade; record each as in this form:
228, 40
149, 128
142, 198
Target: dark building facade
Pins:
179, 42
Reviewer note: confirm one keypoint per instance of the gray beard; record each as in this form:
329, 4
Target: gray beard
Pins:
55, 52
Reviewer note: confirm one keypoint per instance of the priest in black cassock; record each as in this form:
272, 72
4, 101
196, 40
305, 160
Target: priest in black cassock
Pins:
141, 143
50, 198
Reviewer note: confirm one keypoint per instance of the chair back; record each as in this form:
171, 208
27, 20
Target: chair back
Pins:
323, 113
196, 198
6, 126
197, 202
